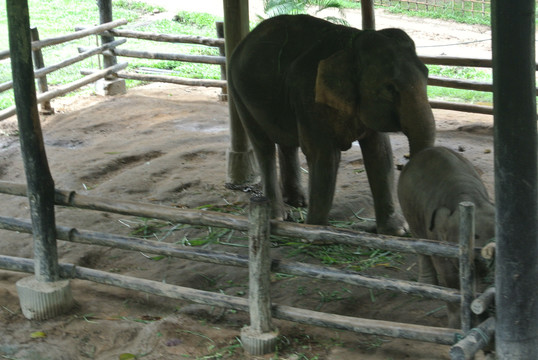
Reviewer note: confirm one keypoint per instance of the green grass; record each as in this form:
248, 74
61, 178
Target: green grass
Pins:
59, 17
458, 95
444, 13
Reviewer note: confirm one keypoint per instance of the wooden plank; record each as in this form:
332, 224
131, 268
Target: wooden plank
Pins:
358, 325
4, 114
84, 55
204, 59
183, 39
280, 228
174, 80
77, 35
277, 265
479, 109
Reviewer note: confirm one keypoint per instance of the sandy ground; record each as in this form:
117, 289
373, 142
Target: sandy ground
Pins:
166, 144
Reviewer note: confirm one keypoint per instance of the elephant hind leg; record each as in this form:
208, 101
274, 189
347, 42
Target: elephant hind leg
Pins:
265, 153
426, 270
290, 176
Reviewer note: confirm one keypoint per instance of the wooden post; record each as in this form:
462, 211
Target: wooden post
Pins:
368, 15
239, 157
259, 338
41, 81
223, 96
478, 338
516, 178
105, 16
484, 301
38, 176
110, 85
43, 295
466, 259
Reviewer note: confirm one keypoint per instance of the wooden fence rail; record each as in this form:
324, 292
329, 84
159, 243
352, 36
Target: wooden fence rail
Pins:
111, 49
42, 71
358, 325
221, 258
62, 90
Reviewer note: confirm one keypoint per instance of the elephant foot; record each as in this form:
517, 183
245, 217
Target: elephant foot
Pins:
393, 231
295, 199
395, 225
319, 242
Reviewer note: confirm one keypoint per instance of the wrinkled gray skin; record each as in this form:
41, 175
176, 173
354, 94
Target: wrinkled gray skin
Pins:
430, 188
299, 81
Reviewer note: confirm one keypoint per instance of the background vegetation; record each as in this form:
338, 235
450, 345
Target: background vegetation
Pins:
59, 17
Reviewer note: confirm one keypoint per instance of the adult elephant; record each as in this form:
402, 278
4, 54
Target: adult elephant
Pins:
301, 81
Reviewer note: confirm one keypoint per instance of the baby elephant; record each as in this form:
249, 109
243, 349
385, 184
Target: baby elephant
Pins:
430, 188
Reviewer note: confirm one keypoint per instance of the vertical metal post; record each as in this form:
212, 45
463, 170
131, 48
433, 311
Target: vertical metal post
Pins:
239, 157
42, 81
38, 176
516, 178
466, 260
368, 15
223, 96
259, 338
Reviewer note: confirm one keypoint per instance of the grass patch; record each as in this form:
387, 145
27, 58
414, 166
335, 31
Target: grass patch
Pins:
341, 256
59, 17
458, 95
444, 13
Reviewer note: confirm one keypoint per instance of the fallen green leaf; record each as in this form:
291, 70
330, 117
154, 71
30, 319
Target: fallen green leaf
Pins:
38, 335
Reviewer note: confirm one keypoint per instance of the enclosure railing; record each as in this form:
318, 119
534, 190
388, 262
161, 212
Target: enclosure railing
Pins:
41, 72
310, 232
112, 49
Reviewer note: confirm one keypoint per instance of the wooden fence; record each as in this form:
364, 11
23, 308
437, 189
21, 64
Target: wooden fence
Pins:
310, 232
417, 246
112, 49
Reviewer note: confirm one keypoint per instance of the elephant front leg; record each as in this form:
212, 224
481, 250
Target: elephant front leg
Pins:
265, 156
290, 175
377, 155
322, 167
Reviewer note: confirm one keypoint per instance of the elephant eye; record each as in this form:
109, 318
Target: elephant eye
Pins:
389, 92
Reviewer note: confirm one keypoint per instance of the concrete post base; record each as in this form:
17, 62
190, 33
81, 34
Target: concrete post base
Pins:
44, 300
110, 87
241, 167
256, 343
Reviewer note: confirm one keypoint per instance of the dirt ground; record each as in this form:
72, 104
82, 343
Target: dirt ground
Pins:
166, 144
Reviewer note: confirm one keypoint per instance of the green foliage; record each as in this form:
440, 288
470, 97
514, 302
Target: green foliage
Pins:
199, 20
294, 7
136, 6
447, 12
458, 95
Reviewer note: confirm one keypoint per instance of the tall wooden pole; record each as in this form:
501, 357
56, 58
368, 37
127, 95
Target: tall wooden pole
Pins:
516, 189
38, 176
368, 15
105, 15
239, 158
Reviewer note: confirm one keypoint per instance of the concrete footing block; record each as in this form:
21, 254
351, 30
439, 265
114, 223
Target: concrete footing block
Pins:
110, 87
44, 300
241, 167
257, 343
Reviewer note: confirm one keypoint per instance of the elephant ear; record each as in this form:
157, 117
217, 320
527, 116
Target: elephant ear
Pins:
334, 84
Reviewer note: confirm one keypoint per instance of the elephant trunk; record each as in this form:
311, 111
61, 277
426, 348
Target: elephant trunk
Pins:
418, 125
